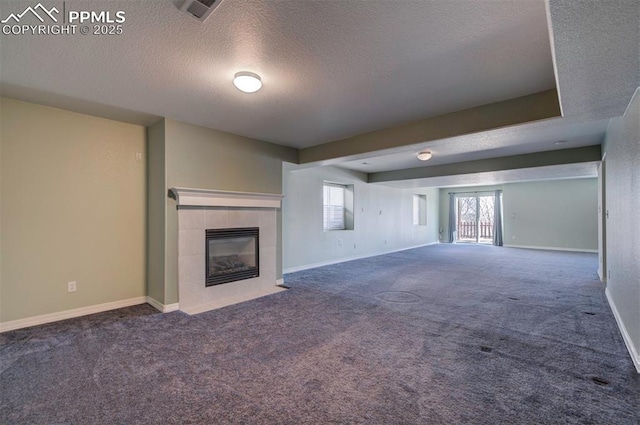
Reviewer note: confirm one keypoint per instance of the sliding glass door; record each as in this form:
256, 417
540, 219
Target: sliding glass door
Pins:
475, 216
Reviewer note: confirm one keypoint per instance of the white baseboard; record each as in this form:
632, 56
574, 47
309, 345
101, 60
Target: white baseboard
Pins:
163, 308
623, 330
279, 282
343, 260
69, 314
552, 248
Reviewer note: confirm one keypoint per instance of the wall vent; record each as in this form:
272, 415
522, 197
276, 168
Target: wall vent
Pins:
200, 9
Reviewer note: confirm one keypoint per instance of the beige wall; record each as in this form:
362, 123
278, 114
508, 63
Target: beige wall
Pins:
73, 208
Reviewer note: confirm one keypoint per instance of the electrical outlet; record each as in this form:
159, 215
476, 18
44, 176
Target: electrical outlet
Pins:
339, 242
138, 156
71, 286
354, 246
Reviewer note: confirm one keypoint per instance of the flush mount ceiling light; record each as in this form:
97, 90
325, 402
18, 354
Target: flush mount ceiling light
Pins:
247, 82
424, 156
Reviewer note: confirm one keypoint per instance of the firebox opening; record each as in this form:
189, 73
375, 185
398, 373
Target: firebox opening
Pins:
232, 254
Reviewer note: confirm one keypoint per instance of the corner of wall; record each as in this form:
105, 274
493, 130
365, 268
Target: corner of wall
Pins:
156, 215
622, 183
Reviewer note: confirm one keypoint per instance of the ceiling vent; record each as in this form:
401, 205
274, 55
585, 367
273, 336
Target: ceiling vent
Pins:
200, 9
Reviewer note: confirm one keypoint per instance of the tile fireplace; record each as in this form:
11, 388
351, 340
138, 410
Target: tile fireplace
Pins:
227, 247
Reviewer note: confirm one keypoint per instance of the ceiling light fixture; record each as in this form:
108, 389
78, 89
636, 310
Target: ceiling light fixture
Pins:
247, 82
424, 156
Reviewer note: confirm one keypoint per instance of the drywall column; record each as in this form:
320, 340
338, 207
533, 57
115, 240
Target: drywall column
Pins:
156, 214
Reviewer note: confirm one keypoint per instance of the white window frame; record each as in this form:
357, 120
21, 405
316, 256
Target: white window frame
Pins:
333, 199
345, 218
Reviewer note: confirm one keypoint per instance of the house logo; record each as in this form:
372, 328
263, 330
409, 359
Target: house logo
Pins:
39, 11
58, 19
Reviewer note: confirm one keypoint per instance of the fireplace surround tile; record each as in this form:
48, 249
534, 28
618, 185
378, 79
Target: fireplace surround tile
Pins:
268, 233
191, 269
227, 290
192, 294
194, 297
268, 255
216, 218
268, 274
191, 218
190, 242
244, 217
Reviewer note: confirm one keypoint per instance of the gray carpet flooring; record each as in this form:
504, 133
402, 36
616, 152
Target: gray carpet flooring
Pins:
436, 335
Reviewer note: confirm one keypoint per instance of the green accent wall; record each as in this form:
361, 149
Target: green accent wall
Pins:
156, 211
203, 158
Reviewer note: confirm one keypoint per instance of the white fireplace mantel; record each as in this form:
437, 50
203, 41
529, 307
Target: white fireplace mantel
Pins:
222, 198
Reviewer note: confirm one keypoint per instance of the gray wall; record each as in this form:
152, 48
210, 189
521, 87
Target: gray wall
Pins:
558, 214
73, 209
382, 219
622, 181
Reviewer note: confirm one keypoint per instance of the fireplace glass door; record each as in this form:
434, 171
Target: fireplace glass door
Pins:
231, 254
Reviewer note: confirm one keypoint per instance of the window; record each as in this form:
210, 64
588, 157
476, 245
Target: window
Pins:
419, 210
334, 207
337, 211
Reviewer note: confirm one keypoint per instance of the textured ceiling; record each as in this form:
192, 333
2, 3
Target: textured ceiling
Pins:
331, 69
334, 69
